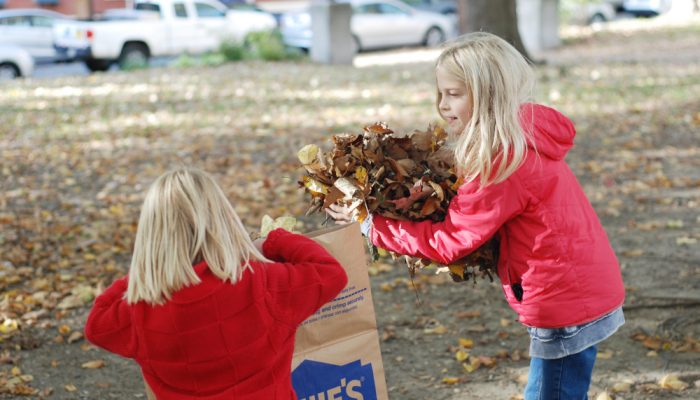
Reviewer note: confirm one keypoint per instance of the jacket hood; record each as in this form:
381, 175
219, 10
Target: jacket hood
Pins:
552, 133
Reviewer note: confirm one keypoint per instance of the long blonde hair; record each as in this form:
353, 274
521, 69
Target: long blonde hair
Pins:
499, 80
186, 218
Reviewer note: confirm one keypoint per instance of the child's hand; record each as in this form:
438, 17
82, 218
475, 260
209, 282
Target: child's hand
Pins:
341, 214
259, 244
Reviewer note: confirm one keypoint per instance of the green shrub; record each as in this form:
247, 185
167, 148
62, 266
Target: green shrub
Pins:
262, 45
213, 59
268, 45
184, 61
232, 50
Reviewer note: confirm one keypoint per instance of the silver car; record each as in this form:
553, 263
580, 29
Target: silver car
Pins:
31, 29
376, 24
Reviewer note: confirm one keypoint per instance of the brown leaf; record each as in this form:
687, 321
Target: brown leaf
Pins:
431, 205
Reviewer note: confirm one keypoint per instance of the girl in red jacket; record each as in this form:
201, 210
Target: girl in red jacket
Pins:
205, 313
556, 266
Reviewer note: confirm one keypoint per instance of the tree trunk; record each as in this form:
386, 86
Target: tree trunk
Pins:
696, 6
495, 16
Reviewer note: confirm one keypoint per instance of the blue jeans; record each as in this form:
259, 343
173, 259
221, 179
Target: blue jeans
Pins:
566, 378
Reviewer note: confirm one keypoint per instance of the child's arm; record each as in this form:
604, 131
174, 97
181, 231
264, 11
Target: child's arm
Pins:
304, 278
109, 323
473, 217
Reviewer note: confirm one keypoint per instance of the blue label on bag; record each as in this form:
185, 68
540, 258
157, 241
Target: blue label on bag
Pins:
313, 380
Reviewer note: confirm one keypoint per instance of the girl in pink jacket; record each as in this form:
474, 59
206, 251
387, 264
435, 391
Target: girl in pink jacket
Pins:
556, 266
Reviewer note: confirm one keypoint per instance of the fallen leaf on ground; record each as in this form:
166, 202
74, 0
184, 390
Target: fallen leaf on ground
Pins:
671, 381
94, 364
603, 396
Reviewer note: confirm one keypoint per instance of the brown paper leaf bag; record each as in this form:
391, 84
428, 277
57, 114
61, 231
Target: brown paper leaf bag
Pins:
337, 354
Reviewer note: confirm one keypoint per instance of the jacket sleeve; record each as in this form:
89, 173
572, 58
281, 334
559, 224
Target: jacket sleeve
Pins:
473, 217
303, 278
109, 322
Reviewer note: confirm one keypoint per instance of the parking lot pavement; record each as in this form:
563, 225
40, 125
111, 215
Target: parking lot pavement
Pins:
365, 59
51, 70
59, 70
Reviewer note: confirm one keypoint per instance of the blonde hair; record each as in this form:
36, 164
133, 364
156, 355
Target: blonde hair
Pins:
499, 80
186, 218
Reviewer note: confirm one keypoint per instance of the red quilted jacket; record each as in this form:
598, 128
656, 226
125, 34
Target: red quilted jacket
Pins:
217, 340
552, 242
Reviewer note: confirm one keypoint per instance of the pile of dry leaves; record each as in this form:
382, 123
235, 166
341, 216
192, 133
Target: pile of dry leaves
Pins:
404, 177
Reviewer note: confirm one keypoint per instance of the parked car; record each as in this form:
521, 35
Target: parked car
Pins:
588, 12
15, 62
646, 8
376, 24
245, 5
127, 14
31, 29
181, 26
446, 7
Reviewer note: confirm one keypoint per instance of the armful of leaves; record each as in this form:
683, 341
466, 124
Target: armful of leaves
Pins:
404, 177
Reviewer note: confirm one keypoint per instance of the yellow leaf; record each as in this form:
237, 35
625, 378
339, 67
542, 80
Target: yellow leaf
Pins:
117, 210
674, 223
268, 224
75, 336
633, 253
466, 343
308, 154
671, 381
621, 387
314, 186
9, 325
438, 330
461, 355
685, 240
16, 371
94, 364
70, 388
64, 329
605, 355
457, 269
603, 396
449, 380
471, 366
361, 175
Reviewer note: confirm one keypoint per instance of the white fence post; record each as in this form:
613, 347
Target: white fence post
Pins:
332, 42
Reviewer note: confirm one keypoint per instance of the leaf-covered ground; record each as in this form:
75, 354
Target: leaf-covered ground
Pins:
77, 153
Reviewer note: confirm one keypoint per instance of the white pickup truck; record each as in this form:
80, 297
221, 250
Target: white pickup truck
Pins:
171, 27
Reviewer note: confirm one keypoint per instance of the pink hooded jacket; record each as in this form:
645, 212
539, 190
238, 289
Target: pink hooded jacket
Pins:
552, 242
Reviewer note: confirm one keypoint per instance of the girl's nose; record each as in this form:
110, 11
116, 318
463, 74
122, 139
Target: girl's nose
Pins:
443, 104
